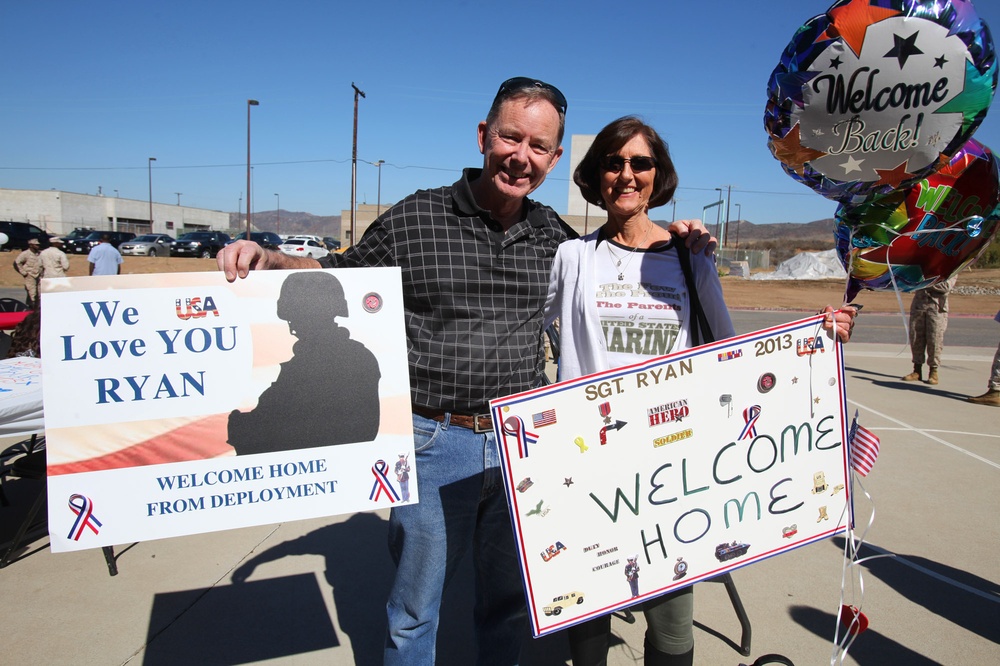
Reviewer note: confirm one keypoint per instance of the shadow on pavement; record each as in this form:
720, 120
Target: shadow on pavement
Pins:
253, 620
869, 648
960, 607
239, 624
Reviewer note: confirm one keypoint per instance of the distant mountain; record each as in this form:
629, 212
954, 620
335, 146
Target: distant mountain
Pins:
820, 231
291, 222
296, 222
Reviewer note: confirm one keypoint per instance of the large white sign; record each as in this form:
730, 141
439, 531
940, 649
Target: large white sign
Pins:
178, 404
630, 483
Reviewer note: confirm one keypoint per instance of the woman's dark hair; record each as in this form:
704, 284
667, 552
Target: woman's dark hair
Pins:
608, 142
26, 337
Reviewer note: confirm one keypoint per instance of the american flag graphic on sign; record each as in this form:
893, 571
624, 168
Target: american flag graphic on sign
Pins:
863, 448
548, 417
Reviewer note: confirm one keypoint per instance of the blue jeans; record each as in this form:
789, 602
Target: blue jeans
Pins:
462, 504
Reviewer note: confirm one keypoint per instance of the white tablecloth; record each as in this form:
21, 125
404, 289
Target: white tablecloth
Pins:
21, 411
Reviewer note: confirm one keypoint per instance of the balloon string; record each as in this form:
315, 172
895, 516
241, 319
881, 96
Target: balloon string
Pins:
852, 564
892, 275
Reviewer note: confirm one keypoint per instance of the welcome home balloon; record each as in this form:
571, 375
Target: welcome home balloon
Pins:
875, 95
917, 236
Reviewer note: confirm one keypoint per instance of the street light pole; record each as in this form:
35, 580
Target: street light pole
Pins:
149, 165
354, 164
250, 102
739, 216
718, 215
378, 196
729, 197
278, 210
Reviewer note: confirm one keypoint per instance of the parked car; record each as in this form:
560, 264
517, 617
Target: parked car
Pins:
306, 237
85, 244
19, 233
203, 244
148, 245
302, 247
79, 232
331, 243
266, 239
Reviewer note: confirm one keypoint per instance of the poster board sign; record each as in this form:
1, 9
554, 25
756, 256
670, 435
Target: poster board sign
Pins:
630, 483
180, 403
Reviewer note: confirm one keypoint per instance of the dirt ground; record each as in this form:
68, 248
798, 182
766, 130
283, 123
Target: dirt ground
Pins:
802, 295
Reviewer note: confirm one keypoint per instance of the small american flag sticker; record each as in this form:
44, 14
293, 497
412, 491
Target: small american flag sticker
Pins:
548, 417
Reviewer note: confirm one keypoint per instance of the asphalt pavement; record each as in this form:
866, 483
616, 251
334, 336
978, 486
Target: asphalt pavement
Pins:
313, 591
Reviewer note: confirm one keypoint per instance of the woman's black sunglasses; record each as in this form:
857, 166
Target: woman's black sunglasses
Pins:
615, 163
518, 83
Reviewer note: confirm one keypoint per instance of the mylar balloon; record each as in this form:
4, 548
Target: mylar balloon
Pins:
917, 236
877, 94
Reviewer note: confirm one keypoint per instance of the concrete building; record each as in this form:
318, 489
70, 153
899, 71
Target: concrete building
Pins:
579, 144
59, 212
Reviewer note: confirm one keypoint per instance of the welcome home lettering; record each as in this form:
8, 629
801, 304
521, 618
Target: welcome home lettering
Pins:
218, 482
169, 342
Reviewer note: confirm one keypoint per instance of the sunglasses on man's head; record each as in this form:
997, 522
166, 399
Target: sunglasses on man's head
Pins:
519, 83
615, 163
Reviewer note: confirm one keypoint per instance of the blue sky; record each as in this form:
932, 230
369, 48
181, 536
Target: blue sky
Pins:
91, 90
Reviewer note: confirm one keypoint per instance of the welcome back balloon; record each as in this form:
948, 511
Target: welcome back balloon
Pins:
921, 235
877, 94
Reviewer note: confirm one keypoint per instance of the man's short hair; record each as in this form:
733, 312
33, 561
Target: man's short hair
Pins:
531, 90
105, 238
33, 241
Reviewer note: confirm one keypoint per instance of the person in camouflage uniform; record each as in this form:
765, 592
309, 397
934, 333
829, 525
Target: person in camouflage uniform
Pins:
928, 321
992, 395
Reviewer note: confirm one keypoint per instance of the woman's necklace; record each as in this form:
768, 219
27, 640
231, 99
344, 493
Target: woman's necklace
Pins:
627, 259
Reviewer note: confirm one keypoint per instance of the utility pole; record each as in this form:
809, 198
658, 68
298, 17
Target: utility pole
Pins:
725, 235
250, 103
354, 166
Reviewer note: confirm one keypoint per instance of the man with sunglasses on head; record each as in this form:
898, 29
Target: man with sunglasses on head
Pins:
475, 259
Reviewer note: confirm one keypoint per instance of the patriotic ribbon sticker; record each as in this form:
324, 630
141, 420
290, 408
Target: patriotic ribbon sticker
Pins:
85, 518
515, 426
750, 415
382, 483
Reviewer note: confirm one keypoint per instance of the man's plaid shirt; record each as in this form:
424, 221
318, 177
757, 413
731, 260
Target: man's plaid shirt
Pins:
472, 294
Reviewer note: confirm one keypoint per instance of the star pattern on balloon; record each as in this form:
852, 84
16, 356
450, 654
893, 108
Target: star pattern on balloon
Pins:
851, 22
965, 17
976, 95
791, 86
893, 177
851, 164
790, 151
903, 48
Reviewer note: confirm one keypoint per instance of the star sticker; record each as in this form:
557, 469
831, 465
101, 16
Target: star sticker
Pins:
816, 400
939, 62
568, 482
893, 177
904, 48
795, 380
851, 21
836, 63
790, 151
851, 164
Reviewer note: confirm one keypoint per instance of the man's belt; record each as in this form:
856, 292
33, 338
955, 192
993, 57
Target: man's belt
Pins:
478, 423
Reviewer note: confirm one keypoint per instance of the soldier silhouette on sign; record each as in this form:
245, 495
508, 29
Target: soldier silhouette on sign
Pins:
327, 393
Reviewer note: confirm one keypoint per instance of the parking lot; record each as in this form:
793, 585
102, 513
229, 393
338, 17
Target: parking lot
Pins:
313, 591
